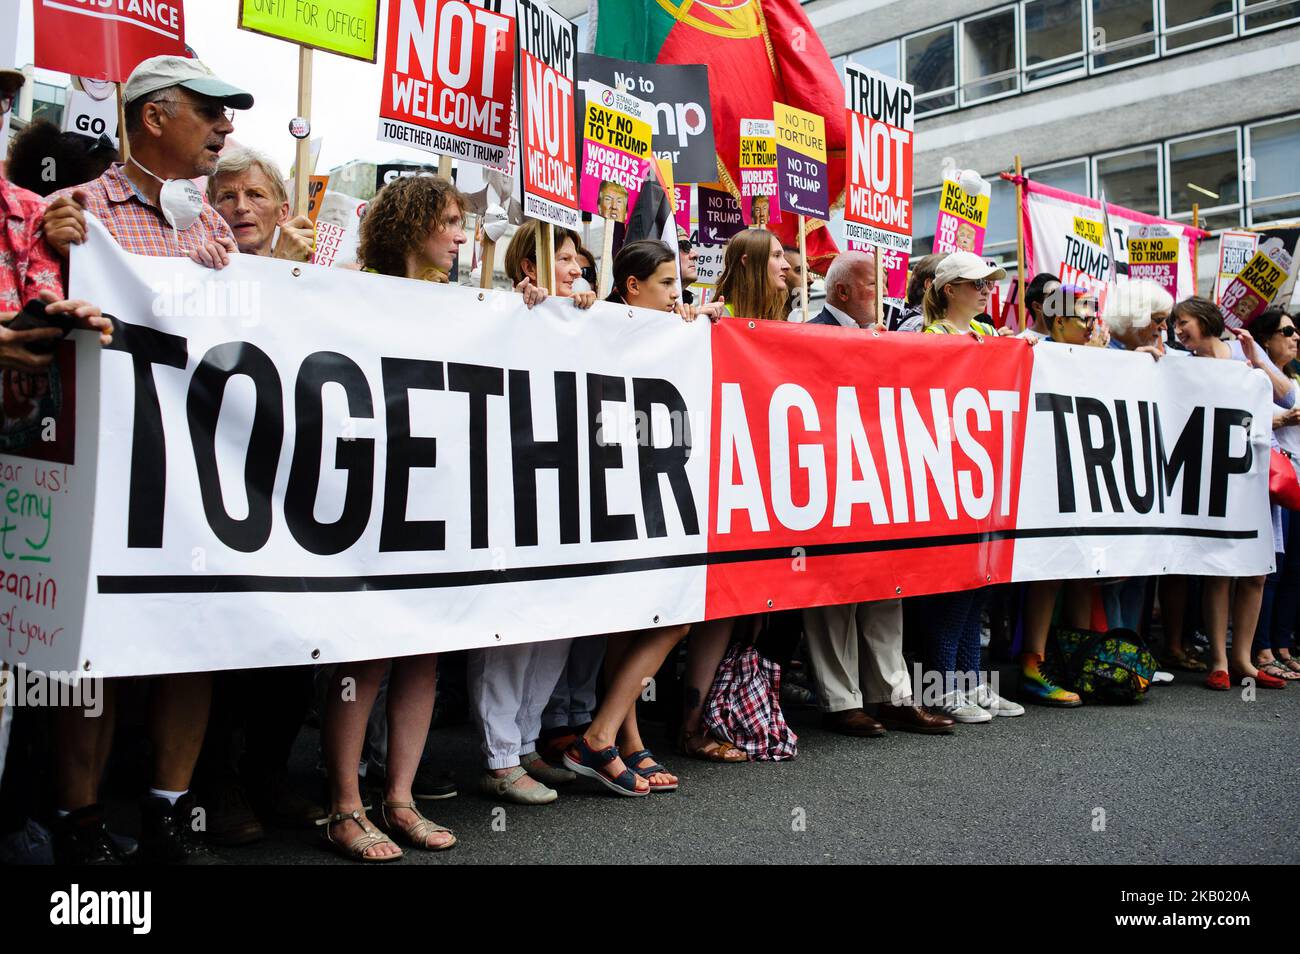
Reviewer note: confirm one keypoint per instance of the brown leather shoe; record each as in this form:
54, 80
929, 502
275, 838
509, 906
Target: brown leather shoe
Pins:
914, 719
853, 722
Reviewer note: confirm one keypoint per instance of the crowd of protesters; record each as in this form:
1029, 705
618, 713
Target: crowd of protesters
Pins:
549, 713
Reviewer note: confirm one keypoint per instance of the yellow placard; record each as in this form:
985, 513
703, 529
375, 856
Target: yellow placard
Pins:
1153, 251
757, 152
972, 208
1263, 275
347, 27
1088, 230
616, 129
800, 130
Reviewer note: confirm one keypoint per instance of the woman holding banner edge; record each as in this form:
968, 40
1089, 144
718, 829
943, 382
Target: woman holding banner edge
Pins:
413, 229
1199, 325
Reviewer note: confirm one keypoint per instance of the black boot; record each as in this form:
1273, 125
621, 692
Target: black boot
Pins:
81, 838
168, 835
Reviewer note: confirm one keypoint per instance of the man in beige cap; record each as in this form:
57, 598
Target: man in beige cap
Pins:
178, 115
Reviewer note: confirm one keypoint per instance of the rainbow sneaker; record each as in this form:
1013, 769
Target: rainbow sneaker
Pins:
1037, 687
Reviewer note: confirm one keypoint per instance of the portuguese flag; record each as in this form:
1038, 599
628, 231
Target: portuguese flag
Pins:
757, 52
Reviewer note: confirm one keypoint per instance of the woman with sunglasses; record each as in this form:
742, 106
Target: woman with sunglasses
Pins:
1199, 327
1275, 332
951, 622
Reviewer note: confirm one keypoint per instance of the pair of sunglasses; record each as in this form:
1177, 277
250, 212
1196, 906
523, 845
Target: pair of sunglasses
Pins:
1287, 332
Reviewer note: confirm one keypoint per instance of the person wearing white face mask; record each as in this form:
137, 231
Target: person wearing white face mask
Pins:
178, 115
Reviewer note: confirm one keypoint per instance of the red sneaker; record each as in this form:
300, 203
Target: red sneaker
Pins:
1218, 680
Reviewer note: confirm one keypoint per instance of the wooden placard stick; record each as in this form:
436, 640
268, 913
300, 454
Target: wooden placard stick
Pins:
880, 285
606, 260
302, 159
803, 281
546, 257
123, 146
1196, 224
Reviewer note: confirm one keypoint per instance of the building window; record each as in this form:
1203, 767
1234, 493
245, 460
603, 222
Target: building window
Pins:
580, 22
1263, 14
988, 56
1189, 23
1121, 31
1205, 170
1131, 179
930, 66
1053, 40
1272, 174
1069, 176
925, 215
882, 58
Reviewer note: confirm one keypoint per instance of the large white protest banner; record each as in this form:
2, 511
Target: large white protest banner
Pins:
281, 464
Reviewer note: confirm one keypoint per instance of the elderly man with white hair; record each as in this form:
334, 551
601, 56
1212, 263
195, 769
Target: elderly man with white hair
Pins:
1137, 312
247, 190
856, 650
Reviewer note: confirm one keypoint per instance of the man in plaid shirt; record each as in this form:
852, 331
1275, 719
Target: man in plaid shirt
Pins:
178, 114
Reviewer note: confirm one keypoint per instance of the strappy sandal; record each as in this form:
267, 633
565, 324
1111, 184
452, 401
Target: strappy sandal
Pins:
1276, 669
592, 763
357, 850
1290, 662
418, 832
654, 768
1184, 664
712, 750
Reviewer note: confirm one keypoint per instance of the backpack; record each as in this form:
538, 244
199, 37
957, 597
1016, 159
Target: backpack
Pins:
1114, 666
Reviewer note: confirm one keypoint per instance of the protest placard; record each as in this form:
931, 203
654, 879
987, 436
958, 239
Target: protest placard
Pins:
548, 179
85, 40
680, 113
758, 184
89, 116
682, 207
448, 73
720, 217
963, 216
879, 113
1153, 255
802, 182
346, 27
329, 240
316, 186
1235, 250
615, 152
1256, 285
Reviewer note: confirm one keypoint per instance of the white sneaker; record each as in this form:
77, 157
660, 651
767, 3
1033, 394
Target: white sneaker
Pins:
987, 699
956, 706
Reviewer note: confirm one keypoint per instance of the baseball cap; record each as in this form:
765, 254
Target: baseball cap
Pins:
965, 266
11, 80
161, 72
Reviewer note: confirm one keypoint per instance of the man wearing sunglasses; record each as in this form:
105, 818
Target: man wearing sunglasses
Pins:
686, 264
178, 115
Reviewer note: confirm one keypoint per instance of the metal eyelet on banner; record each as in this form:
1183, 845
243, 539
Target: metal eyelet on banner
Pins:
630, 313
751, 324
769, 604
656, 619
496, 635
481, 296
315, 654
898, 590
297, 272
988, 577
86, 665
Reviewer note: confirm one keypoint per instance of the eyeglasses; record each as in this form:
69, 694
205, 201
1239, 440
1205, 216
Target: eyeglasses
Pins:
213, 112
979, 284
684, 246
1287, 332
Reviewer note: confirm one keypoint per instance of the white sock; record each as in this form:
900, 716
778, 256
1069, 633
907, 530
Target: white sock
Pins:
170, 796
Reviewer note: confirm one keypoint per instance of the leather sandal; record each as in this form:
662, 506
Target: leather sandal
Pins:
418, 832
357, 850
711, 749
505, 787
594, 763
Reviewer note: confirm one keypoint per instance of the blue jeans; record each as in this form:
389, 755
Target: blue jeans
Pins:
1277, 613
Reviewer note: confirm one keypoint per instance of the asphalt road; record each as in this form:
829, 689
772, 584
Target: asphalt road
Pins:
1189, 776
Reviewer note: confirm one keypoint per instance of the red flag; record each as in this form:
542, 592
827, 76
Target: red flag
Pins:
757, 52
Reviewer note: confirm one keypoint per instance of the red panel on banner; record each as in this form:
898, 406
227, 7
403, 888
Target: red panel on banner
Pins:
966, 468
87, 39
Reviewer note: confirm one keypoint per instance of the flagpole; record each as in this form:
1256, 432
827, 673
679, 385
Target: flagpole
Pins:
444, 167
302, 172
803, 280
1020, 245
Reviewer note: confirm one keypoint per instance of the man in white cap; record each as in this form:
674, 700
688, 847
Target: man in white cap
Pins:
178, 114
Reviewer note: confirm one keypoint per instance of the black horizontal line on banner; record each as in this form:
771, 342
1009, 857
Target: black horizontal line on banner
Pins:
248, 583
